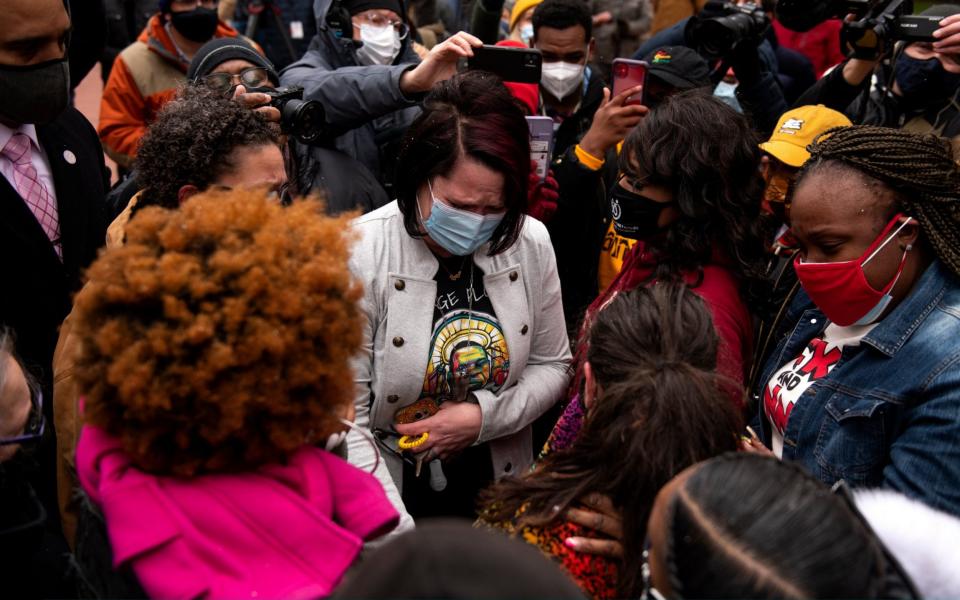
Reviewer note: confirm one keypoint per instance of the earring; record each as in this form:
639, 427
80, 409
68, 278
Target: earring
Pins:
909, 247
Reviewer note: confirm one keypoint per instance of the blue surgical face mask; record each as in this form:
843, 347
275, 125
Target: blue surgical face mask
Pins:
526, 33
459, 232
727, 92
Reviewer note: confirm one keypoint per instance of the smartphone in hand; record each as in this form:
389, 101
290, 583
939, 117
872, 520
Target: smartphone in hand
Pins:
628, 73
541, 143
516, 65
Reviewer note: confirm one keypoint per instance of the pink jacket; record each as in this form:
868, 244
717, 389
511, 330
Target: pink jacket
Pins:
283, 531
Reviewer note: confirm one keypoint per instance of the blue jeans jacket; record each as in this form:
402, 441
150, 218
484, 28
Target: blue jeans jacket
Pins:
889, 412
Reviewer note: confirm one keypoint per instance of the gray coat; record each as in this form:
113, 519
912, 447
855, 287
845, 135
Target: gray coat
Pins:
364, 105
397, 272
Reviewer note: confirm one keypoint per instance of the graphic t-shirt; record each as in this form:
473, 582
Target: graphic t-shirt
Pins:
615, 247
466, 342
816, 362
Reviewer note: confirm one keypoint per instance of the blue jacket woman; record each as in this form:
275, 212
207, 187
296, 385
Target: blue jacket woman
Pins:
864, 385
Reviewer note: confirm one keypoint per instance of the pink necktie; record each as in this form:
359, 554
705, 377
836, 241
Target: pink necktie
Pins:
31, 189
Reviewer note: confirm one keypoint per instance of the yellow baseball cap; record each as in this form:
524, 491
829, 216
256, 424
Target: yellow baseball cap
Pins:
520, 7
797, 128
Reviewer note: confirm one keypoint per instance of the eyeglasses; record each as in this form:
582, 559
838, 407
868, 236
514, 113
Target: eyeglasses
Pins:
376, 20
36, 423
249, 77
193, 3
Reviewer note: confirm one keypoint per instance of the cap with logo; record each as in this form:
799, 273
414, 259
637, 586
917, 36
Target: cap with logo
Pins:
678, 66
797, 129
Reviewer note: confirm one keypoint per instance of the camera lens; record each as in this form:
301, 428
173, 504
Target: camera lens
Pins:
303, 119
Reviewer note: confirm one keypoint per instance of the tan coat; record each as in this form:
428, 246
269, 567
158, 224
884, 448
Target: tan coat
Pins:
66, 415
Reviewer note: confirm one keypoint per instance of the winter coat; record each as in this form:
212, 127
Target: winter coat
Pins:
145, 76
364, 105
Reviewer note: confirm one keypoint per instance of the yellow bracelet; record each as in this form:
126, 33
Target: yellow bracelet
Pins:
588, 160
408, 443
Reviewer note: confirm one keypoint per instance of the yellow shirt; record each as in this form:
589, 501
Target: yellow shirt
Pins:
615, 247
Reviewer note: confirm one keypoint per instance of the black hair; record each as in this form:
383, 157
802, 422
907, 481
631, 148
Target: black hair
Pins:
563, 14
660, 409
744, 525
470, 115
706, 154
192, 143
918, 172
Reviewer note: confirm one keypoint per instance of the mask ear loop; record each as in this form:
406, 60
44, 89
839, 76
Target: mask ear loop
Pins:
887, 241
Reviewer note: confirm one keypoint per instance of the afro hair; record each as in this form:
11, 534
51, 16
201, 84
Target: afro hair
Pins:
218, 338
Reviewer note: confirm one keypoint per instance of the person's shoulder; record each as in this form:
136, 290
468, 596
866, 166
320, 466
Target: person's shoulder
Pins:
71, 128
534, 232
384, 216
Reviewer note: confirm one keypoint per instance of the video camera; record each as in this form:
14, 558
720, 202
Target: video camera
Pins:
722, 26
876, 22
303, 119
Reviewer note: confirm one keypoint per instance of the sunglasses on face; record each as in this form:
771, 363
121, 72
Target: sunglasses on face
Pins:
249, 77
35, 425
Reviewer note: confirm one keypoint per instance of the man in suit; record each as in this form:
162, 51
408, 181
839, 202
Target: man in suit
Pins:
52, 187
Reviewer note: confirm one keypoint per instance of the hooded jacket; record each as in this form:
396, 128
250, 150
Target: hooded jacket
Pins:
279, 531
145, 76
364, 105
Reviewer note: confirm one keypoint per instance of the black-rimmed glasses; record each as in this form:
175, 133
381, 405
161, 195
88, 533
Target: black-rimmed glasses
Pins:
249, 77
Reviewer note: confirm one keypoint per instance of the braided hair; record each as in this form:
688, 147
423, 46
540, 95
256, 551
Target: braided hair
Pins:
919, 170
750, 526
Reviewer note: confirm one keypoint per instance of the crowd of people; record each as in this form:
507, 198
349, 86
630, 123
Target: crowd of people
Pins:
330, 329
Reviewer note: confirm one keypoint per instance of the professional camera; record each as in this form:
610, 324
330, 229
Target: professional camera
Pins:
876, 23
303, 119
722, 26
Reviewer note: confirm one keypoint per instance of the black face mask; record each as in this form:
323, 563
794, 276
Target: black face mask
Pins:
34, 93
924, 80
634, 216
197, 25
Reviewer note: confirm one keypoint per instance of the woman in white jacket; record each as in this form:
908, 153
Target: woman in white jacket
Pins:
465, 344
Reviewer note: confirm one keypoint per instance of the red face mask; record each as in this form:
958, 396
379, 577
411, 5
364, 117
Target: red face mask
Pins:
841, 290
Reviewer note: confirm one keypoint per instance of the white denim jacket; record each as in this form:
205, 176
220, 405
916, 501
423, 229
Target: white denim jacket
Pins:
397, 272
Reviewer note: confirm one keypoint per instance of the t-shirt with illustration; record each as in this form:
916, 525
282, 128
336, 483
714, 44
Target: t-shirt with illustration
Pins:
467, 340
615, 247
816, 362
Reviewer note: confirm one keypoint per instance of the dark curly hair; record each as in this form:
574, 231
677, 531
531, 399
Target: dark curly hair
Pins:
660, 409
218, 338
707, 155
192, 142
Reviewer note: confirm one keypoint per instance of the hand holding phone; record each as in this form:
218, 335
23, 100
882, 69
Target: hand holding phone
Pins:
627, 74
516, 65
612, 122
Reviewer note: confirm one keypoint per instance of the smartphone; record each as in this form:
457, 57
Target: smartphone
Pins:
628, 73
516, 65
541, 143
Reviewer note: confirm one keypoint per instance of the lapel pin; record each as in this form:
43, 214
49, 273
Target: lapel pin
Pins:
70, 157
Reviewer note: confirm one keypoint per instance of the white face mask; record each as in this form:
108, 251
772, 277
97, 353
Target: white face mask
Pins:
561, 79
380, 45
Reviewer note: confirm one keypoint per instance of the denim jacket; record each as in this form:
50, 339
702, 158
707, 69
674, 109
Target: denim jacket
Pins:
889, 412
